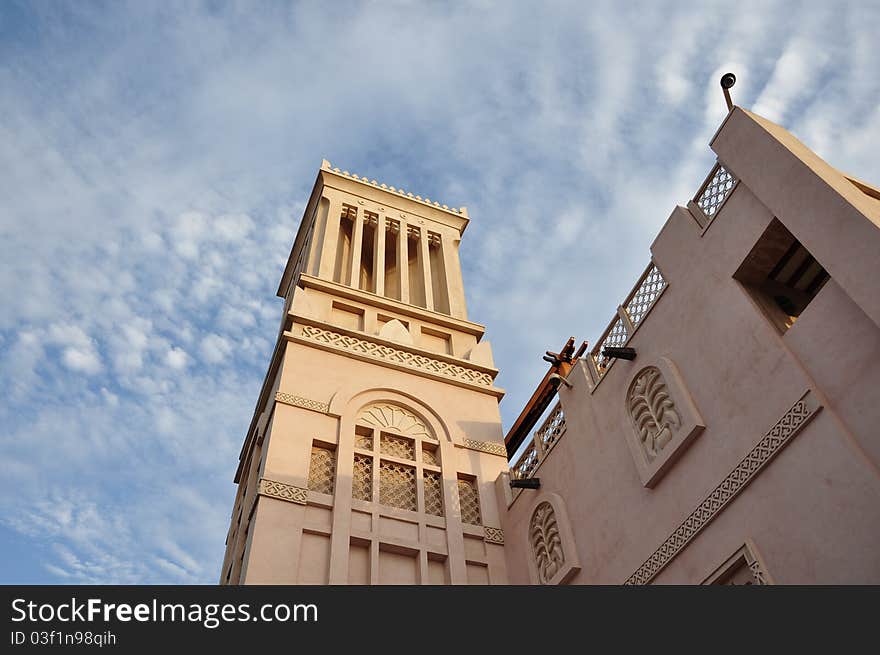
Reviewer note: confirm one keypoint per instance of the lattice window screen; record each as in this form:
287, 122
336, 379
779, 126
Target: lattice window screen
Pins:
433, 493
397, 447
397, 485
363, 440
469, 501
362, 480
431, 457
322, 470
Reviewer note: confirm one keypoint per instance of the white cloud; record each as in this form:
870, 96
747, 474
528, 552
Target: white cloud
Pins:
176, 358
795, 75
109, 397
214, 348
86, 361
79, 351
232, 227
188, 232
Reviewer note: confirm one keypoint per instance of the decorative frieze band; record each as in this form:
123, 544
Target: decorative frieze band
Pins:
283, 491
485, 447
493, 535
767, 448
397, 356
305, 403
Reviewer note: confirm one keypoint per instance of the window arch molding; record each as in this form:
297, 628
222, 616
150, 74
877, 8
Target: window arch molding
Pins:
349, 403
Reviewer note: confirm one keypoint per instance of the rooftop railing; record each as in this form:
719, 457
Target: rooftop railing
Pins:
629, 315
543, 440
712, 195
707, 202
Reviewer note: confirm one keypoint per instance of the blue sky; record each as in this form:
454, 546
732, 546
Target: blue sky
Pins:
156, 158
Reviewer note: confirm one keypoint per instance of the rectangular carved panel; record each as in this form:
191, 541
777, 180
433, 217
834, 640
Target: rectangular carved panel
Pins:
283, 491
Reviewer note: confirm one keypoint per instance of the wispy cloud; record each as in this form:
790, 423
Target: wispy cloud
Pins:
156, 163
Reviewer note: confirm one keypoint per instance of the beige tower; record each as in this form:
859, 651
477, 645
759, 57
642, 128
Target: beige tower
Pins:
376, 440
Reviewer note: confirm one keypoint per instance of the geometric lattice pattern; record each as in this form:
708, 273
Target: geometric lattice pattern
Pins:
397, 447
649, 288
299, 401
401, 357
616, 337
485, 447
494, 535
322, 470
778, 436
469, 502
635, 307
362, 478
363, 441
527, 462
431, 457
553, 428
433, 493
283, 491
397, 485
716, 190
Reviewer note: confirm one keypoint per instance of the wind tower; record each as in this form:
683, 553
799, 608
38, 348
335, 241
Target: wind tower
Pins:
376, 440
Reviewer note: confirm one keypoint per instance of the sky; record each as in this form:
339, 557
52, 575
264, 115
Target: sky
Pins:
156, 159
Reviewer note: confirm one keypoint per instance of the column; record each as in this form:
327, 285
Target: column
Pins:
425, 263
331, 239
455, 286
340, 539
356, 245
379, 256
403, 260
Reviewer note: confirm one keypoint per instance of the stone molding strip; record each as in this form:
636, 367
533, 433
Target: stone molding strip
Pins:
493, 535
377, 351
283, 491
485, 447
304, 403
735, 481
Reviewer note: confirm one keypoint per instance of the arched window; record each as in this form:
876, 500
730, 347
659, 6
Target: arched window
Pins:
394, 449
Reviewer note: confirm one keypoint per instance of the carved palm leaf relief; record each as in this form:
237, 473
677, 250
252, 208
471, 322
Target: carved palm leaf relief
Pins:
546, 542
652, 411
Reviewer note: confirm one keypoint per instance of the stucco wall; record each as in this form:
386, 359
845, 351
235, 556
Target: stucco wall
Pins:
811, 511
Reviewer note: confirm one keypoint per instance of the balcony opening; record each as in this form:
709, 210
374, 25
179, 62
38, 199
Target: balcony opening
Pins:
781, 275
416, 276
366, 277
342, 270
439, 288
